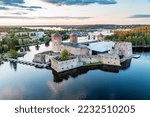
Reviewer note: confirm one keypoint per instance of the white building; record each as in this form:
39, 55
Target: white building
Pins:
2, 35
33, 35
36, 35
101, 46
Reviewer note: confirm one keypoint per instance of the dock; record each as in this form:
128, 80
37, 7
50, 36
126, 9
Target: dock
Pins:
38, 65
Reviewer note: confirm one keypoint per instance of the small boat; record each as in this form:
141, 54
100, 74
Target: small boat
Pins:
136, 56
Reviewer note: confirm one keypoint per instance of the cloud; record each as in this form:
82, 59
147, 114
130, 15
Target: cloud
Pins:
19, 13
3, 8
140, 16
59, 17
12, 2
18, 3
80, 2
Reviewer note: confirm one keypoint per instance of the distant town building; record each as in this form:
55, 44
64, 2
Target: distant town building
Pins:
32, 35
36, 35
56, 42
3, 35
73, 38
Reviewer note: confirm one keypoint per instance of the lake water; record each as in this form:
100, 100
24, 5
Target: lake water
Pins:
132, 81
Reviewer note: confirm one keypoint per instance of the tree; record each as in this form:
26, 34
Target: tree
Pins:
5, 48
64, 55
1, 49
13, 53
46, 39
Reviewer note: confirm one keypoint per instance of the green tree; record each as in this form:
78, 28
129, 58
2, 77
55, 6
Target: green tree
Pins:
5, 48
1, 49
13, 53
46, 39
64, 55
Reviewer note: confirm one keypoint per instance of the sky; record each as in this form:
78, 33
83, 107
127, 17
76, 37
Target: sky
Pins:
74, 12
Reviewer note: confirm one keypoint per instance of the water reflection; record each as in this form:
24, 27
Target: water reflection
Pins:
59, 77
59, 92
13, 65
12, 93
37, 47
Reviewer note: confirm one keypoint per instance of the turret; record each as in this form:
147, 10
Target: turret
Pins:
73, 38
56, 42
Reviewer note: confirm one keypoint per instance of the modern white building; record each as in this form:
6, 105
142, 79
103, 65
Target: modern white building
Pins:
102, 46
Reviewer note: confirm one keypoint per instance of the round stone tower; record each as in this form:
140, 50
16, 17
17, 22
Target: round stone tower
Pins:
73, 38
56, 42
100, 37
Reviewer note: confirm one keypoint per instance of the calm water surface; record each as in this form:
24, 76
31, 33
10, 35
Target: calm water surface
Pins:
132, 81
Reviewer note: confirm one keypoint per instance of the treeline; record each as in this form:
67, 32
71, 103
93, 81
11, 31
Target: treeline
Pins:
10, 29
138, 36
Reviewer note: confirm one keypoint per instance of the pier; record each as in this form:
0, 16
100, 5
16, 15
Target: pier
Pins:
39, 65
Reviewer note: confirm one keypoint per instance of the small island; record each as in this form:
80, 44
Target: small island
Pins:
71, 55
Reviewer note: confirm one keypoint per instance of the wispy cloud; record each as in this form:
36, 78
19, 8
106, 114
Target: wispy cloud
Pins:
3, 8
12, 2
19, 13
18, 3
80, 2
56, 17
140, 16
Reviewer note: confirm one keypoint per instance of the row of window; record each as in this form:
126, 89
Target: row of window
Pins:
68, 67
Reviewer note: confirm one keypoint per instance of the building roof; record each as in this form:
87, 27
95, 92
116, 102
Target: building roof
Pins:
73, 34
76, 45
56, 35
101, 46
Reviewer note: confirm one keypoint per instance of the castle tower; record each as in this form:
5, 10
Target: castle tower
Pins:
56, 42
100, 37
73, 38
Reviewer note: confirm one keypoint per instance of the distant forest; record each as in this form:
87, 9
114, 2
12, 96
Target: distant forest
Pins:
138, 36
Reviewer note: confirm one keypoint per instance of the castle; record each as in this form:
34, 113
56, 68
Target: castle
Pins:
82, 55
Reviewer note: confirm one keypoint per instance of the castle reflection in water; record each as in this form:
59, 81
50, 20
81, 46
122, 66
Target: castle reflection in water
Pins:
59, 77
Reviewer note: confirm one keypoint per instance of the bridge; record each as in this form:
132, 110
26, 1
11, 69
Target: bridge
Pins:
39, 65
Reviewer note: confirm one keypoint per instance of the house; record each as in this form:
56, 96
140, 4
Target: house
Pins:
2, 35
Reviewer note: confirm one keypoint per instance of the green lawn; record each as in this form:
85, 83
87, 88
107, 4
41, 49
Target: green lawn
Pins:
90, 64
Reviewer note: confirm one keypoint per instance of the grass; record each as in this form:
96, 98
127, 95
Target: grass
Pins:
91, 64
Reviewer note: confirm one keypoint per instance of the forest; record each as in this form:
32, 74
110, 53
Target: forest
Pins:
138, 36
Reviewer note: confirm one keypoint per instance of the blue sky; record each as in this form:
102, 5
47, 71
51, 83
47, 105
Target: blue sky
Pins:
47, 12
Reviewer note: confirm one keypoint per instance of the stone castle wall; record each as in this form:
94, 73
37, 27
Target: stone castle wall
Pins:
75, 50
